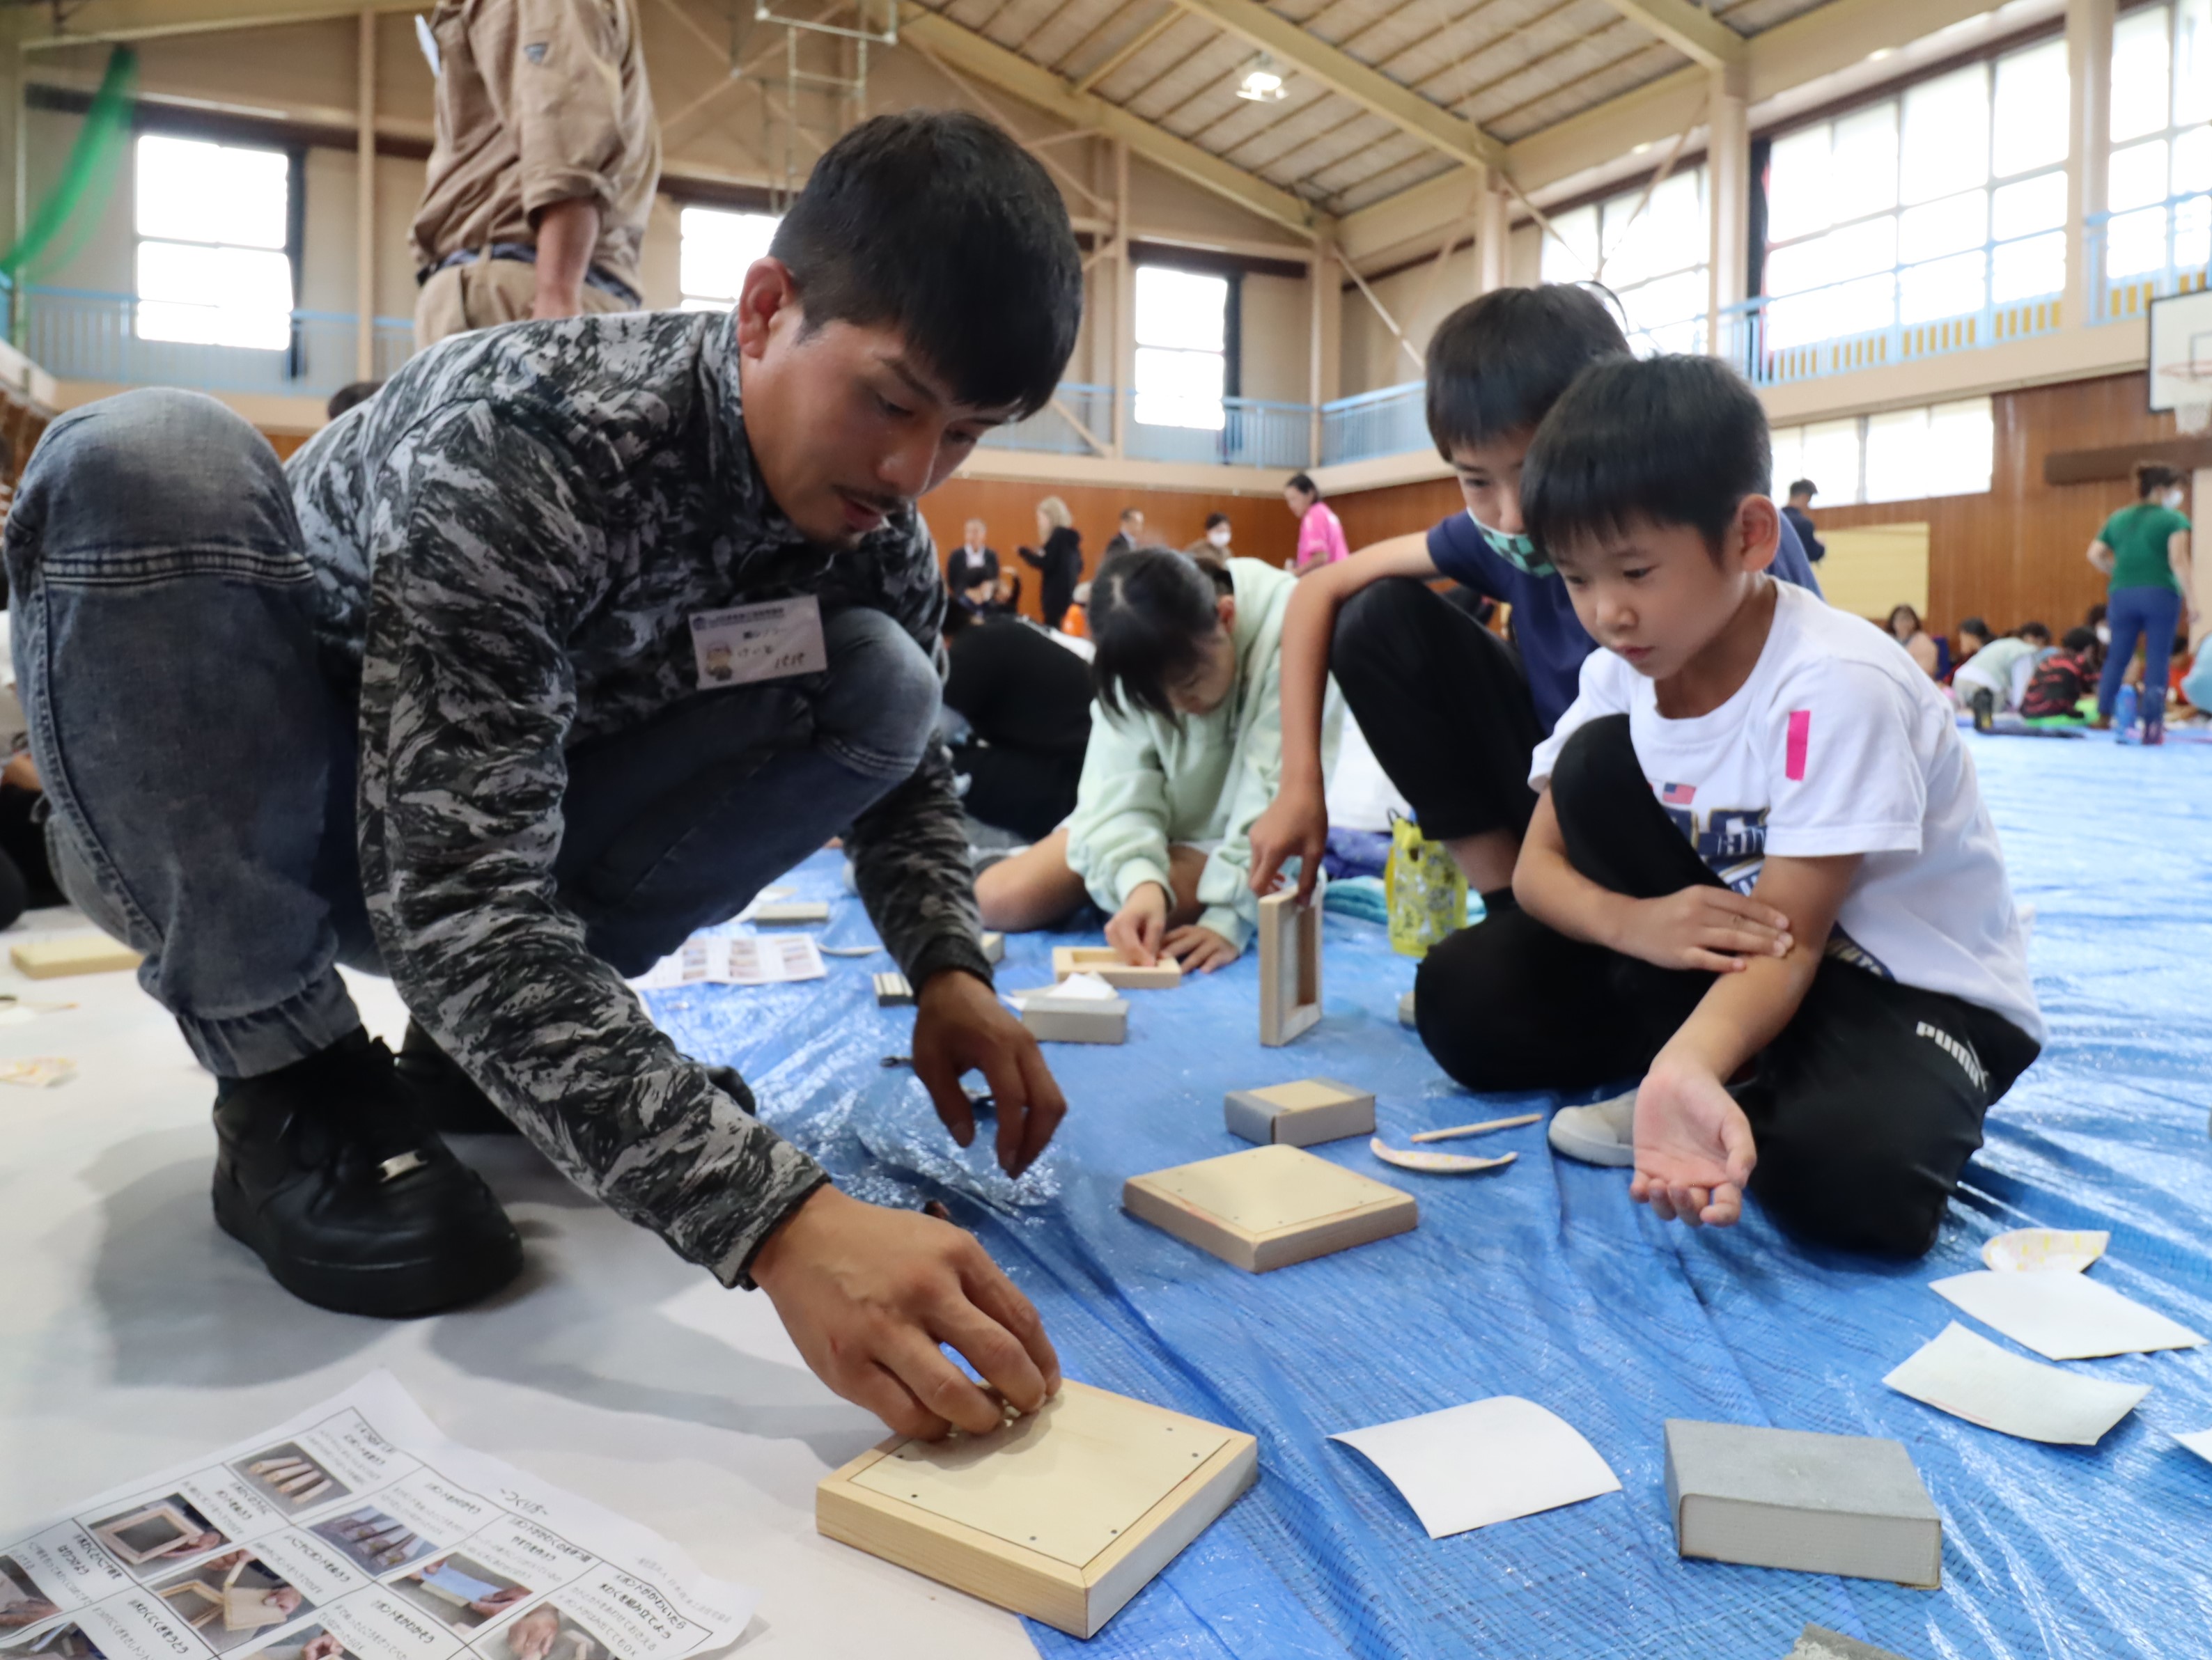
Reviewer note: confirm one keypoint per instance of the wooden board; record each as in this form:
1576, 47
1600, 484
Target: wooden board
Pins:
1106, 963
892, 991
1074, 1019
1063, 1516
789, 913
1290, 968
72, 954
1301, 1113
1871, 568
1270, 1207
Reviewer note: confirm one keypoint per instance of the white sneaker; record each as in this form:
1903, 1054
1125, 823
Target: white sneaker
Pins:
1604, 1132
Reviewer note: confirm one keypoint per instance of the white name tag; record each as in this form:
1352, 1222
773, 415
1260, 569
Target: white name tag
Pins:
768, 641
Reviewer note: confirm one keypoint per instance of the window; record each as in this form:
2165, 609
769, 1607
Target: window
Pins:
1937, 203
213, 267
2159, 185
1653, 254
1182, 362
1904, 455
718, 246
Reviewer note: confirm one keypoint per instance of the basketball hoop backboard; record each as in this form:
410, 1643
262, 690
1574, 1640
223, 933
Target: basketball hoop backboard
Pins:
2181, 350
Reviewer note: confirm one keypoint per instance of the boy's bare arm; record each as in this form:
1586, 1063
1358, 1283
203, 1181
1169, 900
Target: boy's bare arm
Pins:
1699, 927
1297, 823
1693, 1146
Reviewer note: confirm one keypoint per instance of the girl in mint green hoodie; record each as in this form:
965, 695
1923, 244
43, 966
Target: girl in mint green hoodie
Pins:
1186, 747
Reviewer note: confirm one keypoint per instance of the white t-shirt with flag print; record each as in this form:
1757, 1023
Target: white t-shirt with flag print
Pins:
1836, 743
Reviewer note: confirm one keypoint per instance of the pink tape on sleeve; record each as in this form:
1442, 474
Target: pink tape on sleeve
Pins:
1801, 734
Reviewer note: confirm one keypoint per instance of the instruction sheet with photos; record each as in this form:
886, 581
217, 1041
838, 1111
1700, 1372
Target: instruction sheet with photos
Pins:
736, 960
355, 1531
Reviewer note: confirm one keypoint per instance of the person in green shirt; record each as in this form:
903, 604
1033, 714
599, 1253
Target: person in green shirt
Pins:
2144, 549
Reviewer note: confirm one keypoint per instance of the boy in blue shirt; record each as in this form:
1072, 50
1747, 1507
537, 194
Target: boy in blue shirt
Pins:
1452, 711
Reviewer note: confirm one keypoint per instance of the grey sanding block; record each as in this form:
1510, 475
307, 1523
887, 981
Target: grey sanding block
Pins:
1300, 1113
1819, 1643
1789, 1498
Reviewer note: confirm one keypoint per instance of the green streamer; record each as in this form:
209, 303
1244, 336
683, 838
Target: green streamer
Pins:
81, 191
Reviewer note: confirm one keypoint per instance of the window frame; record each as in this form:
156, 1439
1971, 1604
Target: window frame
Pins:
1231, 329
292, 248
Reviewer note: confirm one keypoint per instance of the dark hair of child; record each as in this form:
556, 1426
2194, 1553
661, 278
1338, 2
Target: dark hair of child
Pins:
1215, 521
2034, 631
1803, 487
2078, 640
1975, 626
2154, 476
938, 224
1497, 365
1659, 441
1152, 614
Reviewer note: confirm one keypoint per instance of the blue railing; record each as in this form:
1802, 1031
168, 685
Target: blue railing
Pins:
78, 334
1079, 420
2147, 253
1391, 421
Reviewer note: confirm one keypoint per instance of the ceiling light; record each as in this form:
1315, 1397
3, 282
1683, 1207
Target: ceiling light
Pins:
1262, 81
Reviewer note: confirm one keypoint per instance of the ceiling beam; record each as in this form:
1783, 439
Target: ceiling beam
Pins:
1292, 46
1041, 88
98, 22
1689, 29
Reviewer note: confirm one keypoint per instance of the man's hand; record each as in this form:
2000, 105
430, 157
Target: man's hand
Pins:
1199, 950
1694, 1151
1295, 826
960, 1024
1137, 930
868, 1295
1709, 927
567, 236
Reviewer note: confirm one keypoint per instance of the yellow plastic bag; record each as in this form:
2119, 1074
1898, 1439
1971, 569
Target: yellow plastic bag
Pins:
1426, 891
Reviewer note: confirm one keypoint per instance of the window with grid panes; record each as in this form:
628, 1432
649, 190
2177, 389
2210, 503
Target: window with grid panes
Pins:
1182, 361
1654, 259
213, 267
2158, 181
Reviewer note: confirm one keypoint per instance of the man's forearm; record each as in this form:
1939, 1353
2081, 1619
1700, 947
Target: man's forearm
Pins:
567, 236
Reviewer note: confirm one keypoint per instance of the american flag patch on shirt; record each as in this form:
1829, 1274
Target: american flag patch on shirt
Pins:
1678, 795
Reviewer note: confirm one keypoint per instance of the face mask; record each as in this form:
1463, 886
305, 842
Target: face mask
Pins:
2104, 633
1219, 538
1518, 550
2173, 498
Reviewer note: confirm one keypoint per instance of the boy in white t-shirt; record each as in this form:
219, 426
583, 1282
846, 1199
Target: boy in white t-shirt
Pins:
1759, 873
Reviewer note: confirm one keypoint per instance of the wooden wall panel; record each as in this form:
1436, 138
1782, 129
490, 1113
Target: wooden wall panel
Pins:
1261, 526
2014, 555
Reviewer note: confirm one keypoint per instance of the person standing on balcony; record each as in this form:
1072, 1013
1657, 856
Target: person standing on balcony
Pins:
2144, 549
1321, 533
1798, 510
1059, 560
544, 168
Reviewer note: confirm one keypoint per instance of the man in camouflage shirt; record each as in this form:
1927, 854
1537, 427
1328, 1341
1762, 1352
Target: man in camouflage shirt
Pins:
459, 696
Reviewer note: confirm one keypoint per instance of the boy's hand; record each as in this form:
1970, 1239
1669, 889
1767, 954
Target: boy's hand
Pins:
1136, 930
1694, 1151
1714, 929
1199, 950
1295, 826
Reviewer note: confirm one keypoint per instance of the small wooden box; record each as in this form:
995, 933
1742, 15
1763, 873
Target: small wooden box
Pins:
1074, 1019
72, 954
892, 991
1299, 1114
1270, 1208
789, 913
1106, 963
1063, 1516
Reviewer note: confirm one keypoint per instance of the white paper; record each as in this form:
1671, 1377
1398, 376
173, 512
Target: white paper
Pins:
1969, 1377
356, 1531
736, 959
1082, 988
1488, 1460
2198, 1442
2063, 1317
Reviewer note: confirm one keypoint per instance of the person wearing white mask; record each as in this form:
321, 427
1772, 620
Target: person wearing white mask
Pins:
2144, 549
1213, 548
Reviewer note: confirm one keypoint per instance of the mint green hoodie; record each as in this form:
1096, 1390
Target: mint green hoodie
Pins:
1149, 782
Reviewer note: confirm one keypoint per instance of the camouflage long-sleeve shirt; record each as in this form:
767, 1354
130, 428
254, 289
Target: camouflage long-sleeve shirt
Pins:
509, 541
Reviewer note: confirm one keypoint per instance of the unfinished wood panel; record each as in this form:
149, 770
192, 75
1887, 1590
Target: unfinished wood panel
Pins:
1104, 962
1270, 1208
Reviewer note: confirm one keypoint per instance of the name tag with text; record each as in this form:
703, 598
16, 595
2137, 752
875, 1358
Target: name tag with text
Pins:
771, 641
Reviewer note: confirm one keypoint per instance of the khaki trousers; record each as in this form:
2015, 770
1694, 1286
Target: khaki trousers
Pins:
484, 292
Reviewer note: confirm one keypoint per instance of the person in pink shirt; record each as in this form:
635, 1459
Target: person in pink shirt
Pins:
1321, 533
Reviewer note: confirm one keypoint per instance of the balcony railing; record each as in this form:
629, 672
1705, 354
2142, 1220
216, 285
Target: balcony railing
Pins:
77, 334
1390, 420
1079, 420
2147, 253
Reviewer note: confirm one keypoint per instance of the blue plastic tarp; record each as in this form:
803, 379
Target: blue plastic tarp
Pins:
1544, 1280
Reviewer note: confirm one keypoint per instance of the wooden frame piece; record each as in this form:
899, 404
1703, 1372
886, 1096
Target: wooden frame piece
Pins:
1270, 1208
1290, 968
110, 1533
1063, 1516
1106, 963
205, 1604
1074, 1019
1300, 1113
72, 954
789, 913
892, 991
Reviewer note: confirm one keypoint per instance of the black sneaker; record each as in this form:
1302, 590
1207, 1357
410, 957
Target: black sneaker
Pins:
455, 1104
328, 1171
1985, 706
